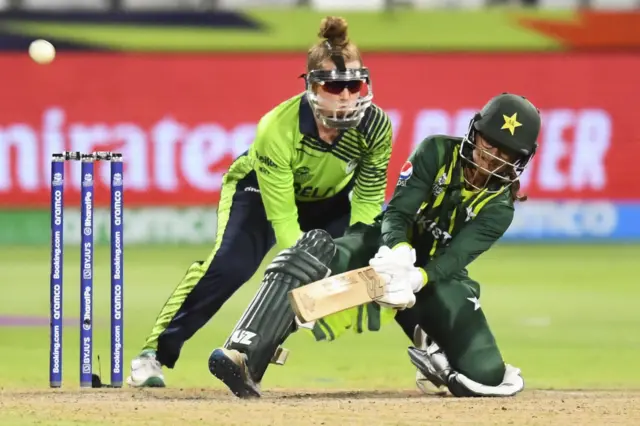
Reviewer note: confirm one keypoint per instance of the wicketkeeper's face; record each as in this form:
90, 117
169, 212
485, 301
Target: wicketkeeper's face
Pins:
340, 97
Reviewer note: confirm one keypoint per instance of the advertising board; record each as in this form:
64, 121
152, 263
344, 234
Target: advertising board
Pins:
181, 119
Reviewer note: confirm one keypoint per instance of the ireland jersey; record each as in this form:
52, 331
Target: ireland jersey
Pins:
293, 165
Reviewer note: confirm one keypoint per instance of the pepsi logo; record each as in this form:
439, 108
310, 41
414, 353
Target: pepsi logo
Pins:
406, 171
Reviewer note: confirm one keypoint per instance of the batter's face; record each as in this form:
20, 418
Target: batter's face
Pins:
488, 157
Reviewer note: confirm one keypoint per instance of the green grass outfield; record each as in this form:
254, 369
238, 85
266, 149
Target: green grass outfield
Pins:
567, 315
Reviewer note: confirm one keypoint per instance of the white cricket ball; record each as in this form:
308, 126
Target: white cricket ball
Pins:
42, 52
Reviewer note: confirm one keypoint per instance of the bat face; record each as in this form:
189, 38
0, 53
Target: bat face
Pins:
337, 293
338, 284
324, 289
308, 303
375, 285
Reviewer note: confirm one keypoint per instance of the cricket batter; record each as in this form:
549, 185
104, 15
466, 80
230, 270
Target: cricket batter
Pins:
319, 161
454, 199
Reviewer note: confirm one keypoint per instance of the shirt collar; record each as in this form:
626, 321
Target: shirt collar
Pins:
307, 120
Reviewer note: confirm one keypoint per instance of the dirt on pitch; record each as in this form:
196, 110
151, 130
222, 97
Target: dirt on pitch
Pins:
293, 408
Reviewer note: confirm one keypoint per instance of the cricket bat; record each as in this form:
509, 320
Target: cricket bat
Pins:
337, 293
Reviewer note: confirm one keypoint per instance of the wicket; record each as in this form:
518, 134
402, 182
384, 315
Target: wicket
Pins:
87, 378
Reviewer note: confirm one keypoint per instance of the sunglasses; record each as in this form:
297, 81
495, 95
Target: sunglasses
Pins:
336, 87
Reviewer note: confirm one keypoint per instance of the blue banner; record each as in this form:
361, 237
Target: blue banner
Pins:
575, 221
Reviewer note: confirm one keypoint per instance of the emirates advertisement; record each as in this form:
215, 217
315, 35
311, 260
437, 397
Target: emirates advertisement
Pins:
179, 120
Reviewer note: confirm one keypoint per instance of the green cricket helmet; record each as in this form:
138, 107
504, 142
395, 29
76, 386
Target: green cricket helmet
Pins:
510, 123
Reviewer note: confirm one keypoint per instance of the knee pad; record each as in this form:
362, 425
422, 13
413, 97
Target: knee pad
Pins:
307, 261
433, 366
512, 383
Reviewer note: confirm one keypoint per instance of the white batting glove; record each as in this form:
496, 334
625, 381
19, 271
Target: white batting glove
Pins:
397, 294
390, 262
402, 279
403, 255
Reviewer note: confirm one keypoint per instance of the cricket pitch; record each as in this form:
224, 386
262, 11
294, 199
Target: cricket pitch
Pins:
200, 406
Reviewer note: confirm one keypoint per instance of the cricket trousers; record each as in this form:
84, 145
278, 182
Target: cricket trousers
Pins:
448, 311
244, 236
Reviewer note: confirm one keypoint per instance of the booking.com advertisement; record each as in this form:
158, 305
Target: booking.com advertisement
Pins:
180, 120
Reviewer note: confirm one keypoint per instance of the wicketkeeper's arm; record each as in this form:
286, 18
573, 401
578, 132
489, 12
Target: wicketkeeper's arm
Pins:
272, 159
371, 180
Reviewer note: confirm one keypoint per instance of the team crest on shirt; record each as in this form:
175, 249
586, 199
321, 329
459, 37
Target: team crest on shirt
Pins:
351, 166
405, 173
302, 175
470, 214
438, 186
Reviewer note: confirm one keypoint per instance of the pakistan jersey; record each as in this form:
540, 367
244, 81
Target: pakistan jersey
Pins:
431, 210
293, 165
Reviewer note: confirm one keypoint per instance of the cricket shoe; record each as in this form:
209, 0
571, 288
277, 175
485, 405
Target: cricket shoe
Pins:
146, 371
428, 384
230, 366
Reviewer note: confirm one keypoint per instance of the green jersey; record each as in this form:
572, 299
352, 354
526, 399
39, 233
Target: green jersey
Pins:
432, 211
293, 165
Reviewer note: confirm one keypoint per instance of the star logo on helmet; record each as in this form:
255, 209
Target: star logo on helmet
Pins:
510, 123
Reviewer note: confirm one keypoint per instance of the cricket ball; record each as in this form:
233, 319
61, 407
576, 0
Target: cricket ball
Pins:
42, 52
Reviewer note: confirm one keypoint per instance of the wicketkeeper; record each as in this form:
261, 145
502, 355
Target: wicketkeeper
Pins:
319, 161
454, 199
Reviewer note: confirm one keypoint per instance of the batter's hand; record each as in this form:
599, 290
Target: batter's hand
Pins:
396, 268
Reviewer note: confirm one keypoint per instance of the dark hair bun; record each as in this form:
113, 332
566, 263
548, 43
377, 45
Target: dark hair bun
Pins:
334, 29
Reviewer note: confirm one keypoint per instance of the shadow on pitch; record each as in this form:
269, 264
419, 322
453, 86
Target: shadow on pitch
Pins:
400, 394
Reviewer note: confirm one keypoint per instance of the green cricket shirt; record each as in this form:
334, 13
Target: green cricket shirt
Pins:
432, 211
293, 165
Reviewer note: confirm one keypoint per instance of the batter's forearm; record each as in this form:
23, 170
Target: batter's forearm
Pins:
395, 227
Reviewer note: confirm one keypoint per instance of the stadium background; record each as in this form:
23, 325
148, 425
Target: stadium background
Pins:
179, 90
